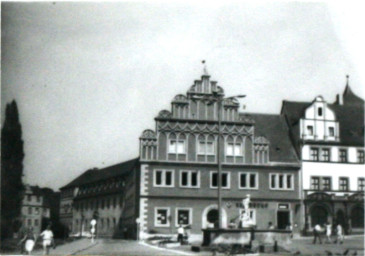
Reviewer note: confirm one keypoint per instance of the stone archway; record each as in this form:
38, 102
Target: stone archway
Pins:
209, 213
357, 217
319, 214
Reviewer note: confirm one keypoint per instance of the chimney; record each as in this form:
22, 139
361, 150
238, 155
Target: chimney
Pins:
338, 100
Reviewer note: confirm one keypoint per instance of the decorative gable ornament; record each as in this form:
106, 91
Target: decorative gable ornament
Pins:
261, 140
165, 114
148, 134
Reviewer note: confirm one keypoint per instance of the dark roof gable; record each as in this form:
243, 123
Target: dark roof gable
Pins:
94, 175
275, 130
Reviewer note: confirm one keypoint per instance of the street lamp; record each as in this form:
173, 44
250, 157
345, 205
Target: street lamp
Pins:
218, 97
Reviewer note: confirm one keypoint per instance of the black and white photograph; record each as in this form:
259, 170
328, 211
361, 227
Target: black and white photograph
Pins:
182, 128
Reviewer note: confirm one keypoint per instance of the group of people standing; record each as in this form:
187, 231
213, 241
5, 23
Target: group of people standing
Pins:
29, 240
327, 229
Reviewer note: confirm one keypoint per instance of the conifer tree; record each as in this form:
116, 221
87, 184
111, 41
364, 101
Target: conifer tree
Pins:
12, 155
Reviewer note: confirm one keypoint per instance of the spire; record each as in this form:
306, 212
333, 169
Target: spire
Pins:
205, 71
350, 98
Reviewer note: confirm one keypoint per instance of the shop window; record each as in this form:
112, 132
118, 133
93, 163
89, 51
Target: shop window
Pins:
281, 181
314, 154
252, 213
225, 179
234, 149
162, 217
190, 179
361, 184
310, 130
325, 155
343, 155
248, 180
183, 216
360, 156
344, 184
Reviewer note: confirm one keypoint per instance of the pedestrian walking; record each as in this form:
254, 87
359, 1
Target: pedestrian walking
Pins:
328, 232
47, 236
180, 234
339, 231
317, 233
28, 241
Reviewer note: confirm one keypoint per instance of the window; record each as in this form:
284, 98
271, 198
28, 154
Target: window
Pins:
29, 198
344, 184
177, 147
361, 184
162, 217
29, 222
314, 154
248, 180
36, 223
234, 149
189, 179
37, 210
325, 154
310, 129
343, 156
163, 178
206, 147
183, 216
38, 199
315, 183
331, 131
225, 181
319, 111
281, 181
326, 183
29, 210
360, 156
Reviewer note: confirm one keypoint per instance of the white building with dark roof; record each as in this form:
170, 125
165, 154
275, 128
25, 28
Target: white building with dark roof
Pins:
329, 139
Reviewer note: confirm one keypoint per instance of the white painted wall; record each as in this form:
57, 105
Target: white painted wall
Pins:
320, 123
335, 170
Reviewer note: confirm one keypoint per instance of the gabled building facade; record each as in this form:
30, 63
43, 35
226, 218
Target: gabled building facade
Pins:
178, 166
35, 208
329, 139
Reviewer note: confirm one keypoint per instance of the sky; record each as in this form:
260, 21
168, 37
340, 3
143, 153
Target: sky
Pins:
88, 78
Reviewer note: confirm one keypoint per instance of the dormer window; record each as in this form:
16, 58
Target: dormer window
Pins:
319, 111
331, 131
310, 129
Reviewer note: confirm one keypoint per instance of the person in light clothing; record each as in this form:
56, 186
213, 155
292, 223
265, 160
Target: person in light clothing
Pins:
340, 236
317, 233
180, 234
328, 232
47, 236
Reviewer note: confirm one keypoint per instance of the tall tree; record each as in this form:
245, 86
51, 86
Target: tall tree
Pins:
12, 155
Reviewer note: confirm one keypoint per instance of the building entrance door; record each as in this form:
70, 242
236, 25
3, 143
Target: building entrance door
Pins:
283, 219
212, 217
319, 215
357, 217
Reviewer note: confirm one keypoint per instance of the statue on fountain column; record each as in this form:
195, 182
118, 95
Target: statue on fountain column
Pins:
245, 215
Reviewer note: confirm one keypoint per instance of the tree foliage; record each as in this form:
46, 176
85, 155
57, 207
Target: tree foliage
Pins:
12, 155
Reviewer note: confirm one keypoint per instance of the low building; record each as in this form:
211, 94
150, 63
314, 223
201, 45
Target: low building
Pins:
96, 194
329, 139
